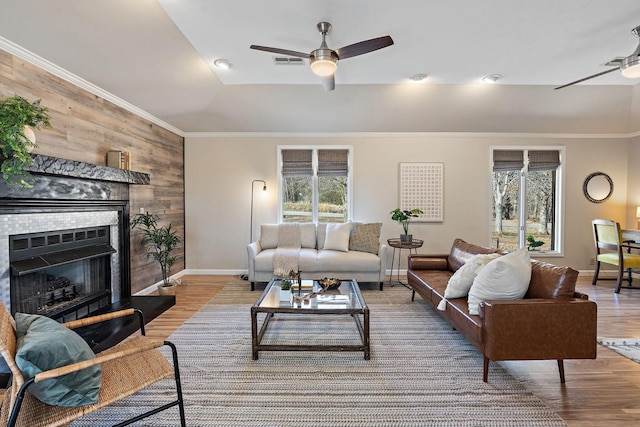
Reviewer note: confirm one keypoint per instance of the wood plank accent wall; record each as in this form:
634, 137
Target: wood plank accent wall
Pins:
85, 127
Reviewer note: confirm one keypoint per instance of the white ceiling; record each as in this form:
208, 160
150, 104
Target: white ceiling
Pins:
155, 55
542, 42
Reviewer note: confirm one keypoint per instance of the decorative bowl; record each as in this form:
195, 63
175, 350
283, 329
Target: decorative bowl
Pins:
329, 283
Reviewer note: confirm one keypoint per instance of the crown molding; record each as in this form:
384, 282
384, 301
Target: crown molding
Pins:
494, 135
60, 72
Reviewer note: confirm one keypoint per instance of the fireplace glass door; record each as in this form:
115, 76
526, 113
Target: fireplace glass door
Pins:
64, 275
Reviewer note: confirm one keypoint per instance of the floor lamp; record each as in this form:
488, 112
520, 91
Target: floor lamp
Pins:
264, 188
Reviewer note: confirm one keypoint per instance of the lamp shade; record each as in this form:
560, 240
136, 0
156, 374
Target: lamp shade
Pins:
630, 66
324, 62
638, 212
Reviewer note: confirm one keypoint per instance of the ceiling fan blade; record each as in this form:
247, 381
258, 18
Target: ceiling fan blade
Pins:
329, 83
280, 51
363, 47
602, 73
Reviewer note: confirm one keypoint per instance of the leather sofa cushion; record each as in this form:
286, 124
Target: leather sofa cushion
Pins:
468, 325
428, 262
437, 282
462, 251
551, 281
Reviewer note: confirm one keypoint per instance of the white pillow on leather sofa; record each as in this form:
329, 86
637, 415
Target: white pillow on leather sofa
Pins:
461, 281
505, 278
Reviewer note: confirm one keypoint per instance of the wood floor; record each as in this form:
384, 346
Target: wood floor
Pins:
600, 392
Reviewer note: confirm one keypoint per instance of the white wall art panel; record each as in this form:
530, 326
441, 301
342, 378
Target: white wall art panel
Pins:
422, 187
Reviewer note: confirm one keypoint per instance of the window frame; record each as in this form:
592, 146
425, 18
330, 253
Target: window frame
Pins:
522, 199
314, 180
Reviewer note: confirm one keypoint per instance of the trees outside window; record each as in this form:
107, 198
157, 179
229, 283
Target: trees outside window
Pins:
315, 184
526, 198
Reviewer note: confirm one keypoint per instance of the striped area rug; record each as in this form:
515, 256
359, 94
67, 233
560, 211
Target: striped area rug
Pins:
421, 373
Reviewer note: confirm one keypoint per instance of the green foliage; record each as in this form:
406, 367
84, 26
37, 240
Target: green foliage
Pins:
16, 113
160, 241
403, 217
285, 285
533, 243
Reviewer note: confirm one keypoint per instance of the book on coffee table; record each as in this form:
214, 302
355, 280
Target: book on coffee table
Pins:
333, 299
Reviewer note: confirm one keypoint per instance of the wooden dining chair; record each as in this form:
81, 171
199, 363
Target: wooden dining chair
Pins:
126, 368
611, 249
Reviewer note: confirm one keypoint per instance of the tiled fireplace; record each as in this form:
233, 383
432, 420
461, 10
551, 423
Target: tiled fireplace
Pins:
65, 242
63, 265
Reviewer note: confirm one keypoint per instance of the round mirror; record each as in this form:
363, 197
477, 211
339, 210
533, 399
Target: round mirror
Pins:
598, 187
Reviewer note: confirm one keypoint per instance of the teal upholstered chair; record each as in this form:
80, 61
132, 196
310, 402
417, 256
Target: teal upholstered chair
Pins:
610, 249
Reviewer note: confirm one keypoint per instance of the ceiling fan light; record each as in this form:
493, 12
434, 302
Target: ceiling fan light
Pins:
630, 66
324, 62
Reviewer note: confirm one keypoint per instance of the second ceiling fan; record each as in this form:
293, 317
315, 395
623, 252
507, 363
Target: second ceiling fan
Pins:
628, 66
324, 61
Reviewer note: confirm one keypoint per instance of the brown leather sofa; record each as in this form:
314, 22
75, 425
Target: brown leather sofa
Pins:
551, 322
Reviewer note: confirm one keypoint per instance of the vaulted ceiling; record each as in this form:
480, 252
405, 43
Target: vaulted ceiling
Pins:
158, 56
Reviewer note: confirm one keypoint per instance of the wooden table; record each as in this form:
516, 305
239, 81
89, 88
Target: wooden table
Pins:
350, 302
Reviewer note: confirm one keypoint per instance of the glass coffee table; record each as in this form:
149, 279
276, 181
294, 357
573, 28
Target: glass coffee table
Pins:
346, 300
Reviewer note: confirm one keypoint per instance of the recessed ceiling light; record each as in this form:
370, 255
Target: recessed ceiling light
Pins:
418, 78
225, 64
491, 78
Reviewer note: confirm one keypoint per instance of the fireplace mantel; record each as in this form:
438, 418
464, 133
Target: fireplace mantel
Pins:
47, 165
61, 179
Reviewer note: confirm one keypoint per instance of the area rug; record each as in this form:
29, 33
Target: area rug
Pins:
628, 347
421, 373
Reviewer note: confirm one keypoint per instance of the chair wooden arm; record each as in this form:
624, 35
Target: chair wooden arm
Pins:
97, 319
74, 324
64, 370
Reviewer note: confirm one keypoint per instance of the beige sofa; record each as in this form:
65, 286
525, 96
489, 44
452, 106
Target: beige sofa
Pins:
361, 257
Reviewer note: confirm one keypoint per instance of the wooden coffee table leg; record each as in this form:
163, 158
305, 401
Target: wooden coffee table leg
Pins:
367, 344
254, 334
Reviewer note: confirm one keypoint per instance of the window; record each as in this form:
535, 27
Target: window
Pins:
526, 198
315, 184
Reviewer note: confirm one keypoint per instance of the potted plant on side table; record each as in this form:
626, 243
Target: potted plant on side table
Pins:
403, 217
161, 241
18, 117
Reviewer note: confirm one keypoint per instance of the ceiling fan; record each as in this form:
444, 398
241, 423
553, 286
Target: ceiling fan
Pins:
629, 66
324, 61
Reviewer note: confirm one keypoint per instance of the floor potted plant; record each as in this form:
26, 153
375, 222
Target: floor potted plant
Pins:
18, 117
160, 241
404, 217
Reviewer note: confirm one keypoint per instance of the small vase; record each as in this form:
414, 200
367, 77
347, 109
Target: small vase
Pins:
167, 290
406, 237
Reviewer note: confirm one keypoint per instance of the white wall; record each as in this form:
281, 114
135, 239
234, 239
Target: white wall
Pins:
219, 171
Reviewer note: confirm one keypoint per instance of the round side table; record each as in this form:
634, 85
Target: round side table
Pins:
399, 245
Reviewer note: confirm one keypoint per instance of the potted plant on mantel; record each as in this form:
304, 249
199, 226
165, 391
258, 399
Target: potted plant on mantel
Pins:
161, 241
403, 217
18, 117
